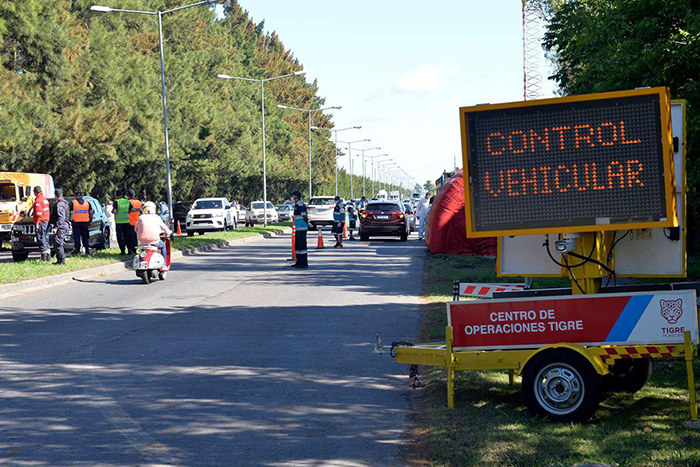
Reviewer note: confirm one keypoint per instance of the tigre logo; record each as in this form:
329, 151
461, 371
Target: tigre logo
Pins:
672, 310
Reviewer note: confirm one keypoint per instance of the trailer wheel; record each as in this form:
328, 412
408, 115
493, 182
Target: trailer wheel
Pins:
561, 385
628, 375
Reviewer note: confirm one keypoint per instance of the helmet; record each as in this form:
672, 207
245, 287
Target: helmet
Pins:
296, 193
149, 207
337, 198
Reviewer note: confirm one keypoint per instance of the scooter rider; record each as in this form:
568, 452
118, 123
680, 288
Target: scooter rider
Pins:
149, 227
338, 221
301, 224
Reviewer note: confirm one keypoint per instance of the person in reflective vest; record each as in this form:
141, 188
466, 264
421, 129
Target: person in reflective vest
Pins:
41, 222
134, 213
81, 217
338, 222
120, 208
301, 224
352, 219
59, 222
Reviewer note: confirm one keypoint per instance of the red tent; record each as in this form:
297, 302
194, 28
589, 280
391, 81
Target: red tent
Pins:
447, 228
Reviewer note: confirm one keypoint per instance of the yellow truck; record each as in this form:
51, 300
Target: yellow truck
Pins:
17, 195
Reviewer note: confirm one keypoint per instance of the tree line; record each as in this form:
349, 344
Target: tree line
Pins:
80, 99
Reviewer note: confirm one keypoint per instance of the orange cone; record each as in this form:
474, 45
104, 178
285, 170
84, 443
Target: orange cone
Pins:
345, 227
179, 232
319, 245
294, 242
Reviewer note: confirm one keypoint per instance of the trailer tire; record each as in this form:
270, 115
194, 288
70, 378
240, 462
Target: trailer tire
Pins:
628, 375
561, 385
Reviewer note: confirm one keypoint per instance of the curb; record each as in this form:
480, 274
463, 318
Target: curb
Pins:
34, 285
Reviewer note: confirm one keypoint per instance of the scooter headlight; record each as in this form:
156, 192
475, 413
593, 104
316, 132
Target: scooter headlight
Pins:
142, 255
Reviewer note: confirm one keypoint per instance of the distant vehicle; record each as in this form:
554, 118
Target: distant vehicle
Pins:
241, 214
382, 194
415, 196
180, 210
320, 210
209, 214
256, 213
394, 195
24, 239
285, 212
17, 196
384, 218
408, 209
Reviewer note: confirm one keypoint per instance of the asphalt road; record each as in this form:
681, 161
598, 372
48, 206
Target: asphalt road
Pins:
234, 360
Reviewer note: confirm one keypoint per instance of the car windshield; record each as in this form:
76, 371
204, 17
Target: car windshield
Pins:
284, 207
7, 192
260, 206
383, 207
208, 204
322, 202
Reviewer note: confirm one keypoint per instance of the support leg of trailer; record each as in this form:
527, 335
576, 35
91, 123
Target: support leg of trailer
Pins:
511, 377
692, 398
450, 368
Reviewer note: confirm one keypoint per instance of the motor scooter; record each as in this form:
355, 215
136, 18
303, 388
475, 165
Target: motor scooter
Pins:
149, 263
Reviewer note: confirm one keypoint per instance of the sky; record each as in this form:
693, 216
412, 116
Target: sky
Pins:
402, 69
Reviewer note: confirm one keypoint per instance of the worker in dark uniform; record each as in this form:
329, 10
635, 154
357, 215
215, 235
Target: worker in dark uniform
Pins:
81, 217
301, 224
338, 222
352, 219
59, 221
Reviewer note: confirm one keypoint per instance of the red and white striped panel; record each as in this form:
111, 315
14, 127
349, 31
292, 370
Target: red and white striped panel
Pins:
470, 289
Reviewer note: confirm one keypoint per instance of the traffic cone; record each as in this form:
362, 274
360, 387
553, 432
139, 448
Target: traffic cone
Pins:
319, 245
179, 232
345, 227
294, 243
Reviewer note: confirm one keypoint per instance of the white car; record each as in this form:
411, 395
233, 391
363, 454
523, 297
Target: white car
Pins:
209, 214
256, 213
320, 210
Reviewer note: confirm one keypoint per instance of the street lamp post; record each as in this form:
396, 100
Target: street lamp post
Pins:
364, 168
350, 143
262, 82
336, 148
372, 158
105, 9
309, 111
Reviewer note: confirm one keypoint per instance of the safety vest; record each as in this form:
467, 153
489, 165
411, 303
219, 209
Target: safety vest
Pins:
122, 214
338, 213
41, 209
81, 212
299, 213
134, 215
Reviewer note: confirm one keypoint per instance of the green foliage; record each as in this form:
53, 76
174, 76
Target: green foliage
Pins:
81, 98
607, 45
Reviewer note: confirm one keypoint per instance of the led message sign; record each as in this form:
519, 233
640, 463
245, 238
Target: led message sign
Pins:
574, 164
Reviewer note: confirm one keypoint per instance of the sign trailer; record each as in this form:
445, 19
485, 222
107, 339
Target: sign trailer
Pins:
581, 168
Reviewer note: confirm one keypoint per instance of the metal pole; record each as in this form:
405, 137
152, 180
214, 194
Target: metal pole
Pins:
352, 192
373, 193
363, 172
262, 107
309, 154
335, 158
165, 115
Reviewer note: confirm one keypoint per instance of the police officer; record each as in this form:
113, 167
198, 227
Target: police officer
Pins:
81, 217
352, 218
59, 221
338, 222
41, 217
301, 224
120, 208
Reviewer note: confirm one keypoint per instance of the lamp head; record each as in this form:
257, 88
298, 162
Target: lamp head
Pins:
224, 76
300, 72
100, 9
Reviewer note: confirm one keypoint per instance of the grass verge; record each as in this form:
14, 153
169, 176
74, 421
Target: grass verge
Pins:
490, 425
11, 272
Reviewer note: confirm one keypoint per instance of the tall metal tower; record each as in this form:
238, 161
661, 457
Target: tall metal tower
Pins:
532, 49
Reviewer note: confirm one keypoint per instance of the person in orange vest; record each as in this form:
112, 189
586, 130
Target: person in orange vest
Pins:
81, 217
134, 213
41, 222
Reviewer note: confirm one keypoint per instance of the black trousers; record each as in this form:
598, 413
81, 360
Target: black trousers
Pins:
81, 234
59, 242
121, 236
131, 241
300, 248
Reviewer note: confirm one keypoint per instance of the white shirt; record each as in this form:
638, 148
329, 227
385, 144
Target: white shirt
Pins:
423, 208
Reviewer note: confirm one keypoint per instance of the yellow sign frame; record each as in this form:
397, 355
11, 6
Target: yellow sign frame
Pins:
667, 146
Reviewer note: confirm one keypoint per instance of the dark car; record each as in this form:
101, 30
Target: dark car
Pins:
180, 210
384, 218
24, 235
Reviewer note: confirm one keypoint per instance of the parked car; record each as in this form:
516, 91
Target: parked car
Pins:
384, 218
241, 214
410, 213
24, 240
285, 211
180, 210
320, 210
256, 213
209, 214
